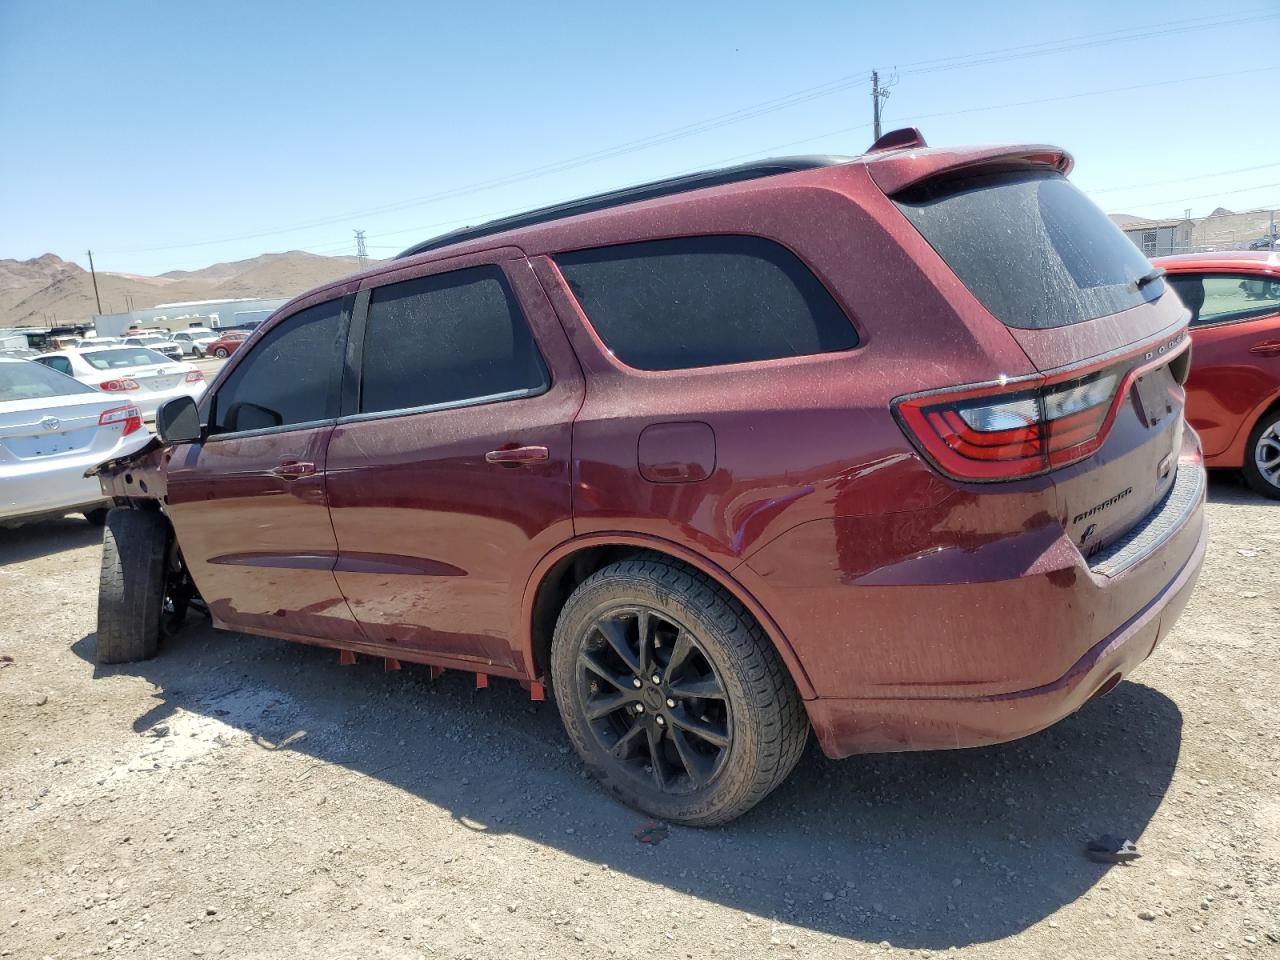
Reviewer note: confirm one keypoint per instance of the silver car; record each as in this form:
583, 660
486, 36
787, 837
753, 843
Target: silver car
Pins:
53, 429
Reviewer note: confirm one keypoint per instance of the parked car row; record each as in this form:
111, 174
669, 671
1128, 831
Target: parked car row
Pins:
138, 373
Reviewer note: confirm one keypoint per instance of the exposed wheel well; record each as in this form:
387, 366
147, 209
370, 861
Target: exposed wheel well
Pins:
563, 578
560, 581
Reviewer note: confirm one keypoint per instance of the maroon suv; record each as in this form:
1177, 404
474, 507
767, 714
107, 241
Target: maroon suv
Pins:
889, 447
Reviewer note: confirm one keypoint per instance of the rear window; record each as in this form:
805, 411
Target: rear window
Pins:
124, 357
705, 301
30, 381
1031, 247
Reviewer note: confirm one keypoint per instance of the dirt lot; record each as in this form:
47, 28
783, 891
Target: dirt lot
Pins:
242, 797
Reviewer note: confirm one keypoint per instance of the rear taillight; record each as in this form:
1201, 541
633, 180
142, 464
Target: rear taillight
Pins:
128, 415
195, 376
999, 433
118, 386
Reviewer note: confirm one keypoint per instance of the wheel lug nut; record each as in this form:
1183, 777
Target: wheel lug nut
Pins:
656, 679
659, 720
636, 683
639, 708
671, 703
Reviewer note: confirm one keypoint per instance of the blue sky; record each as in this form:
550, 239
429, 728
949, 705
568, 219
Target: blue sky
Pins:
174, 135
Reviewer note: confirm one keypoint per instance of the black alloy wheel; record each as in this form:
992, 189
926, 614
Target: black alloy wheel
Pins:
654, 700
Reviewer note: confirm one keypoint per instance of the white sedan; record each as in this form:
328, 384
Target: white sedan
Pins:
136, 374
53, 429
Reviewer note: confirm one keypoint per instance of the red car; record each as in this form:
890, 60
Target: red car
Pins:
226, 345
890, 448
1233, 393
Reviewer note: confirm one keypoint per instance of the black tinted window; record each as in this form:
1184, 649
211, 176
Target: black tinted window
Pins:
445, 338
1034, 249
704, 301
290, 376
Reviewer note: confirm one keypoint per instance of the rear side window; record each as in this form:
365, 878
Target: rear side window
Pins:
1226, 298
1031, 247
290, 376
448, 338
705, 301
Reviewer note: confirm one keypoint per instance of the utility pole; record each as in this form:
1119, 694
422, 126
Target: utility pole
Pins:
361, 252
879, 93
875, 102
93, 273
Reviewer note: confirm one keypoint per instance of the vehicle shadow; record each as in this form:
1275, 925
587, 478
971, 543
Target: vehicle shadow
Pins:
1228, 486
31, 541
925, 850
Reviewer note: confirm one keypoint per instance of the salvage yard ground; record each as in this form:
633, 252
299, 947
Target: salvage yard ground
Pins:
243, 797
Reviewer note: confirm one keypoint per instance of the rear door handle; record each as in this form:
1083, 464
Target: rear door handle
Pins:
293, 469
1268, 348
518, 455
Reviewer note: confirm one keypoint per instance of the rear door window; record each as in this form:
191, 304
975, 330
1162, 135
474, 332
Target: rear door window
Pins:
1226, 298
1031, 247
448, 338
290, 377
705, 301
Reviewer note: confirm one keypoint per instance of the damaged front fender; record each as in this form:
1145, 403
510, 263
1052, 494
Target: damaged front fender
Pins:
138, 476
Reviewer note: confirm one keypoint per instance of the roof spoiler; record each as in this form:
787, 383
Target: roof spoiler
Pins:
895, 172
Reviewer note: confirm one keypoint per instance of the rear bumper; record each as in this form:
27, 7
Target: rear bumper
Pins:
36, 488
849, 726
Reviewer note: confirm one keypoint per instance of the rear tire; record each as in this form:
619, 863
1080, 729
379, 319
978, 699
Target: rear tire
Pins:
1262, 456
732, 724
98, 516
132, 586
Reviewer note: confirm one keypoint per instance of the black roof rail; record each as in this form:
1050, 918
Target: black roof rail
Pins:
617, 198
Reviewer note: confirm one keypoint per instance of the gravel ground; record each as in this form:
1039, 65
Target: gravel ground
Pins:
244, 797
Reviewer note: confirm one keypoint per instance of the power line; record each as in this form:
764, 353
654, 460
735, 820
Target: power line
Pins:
745, 113
1202, 176
1209, 196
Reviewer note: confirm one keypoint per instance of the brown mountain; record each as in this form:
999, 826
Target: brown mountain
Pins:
48, 290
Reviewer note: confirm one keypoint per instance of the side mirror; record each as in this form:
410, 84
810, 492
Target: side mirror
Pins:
178, 421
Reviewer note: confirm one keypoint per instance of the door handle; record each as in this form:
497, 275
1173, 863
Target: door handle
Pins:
1267, 348
515, 456
293, 469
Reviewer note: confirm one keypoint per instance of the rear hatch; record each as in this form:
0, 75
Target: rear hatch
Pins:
1104, 415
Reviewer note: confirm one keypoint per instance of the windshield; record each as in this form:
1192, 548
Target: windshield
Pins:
31, 381
124, 357
151, 339
1035, 250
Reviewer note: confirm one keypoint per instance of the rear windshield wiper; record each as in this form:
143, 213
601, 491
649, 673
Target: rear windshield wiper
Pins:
1151, 276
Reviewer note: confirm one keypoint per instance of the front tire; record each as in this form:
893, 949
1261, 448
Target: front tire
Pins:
221, 353
1262, 456
672, 694
131, 590
97, 516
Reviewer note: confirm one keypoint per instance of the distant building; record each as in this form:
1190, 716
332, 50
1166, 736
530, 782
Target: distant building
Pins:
1159, 238
216, 314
